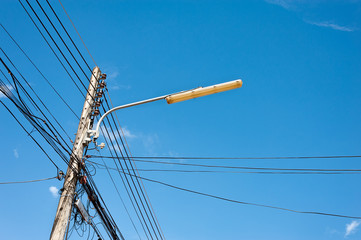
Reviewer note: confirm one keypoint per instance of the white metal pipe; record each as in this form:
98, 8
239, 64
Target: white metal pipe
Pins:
96, 132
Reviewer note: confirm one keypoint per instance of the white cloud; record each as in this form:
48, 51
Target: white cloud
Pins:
333, 232
122, 130
307, 8
333, 26
283, 3
150, 143
112, 75
16, 153
112, 81
118, 87
299, 4
352, 227
54, 191
127, 133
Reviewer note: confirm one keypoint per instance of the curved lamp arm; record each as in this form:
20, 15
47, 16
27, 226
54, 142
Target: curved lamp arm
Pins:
175, 97
96, 131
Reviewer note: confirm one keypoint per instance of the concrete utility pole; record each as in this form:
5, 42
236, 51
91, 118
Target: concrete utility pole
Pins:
66, 200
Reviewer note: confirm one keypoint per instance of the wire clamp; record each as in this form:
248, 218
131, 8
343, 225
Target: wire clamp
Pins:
83, 180
60, 176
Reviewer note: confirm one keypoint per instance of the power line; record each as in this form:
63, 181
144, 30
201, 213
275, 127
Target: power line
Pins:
239, 167
104, 213
29, 181
42, 149
132, 161
248, 158
33, 120
59, 35
127, 183
217, 171
77, 32
71, 39
27, 111
47, 42
70, 153
137, 185
62, 40
248, 203
131, 185
10, 84
116, 188
124, 183
37, 96
56, 44
54, 89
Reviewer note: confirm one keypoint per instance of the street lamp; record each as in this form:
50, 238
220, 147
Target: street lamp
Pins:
174, 98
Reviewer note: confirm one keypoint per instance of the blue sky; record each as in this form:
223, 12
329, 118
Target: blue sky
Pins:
300, 64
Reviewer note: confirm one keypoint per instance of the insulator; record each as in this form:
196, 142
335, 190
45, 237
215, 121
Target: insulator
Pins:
97, 103
99, 94
60, 175
102, 85
103, 76
95, 112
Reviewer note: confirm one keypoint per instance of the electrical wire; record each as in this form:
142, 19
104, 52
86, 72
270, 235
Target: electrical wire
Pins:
54, 40
133, 162
62, 40
77, 33
47, 42
48, 82
248, 158
213, 196
39, 100
19, 103
36, 142
106, 217
249, 203
29, 181
133, 199
102, 209
138, 188
49, 138
116, 188
127, 184
71, 39
217, 171
10, 84
240, 167
57, 46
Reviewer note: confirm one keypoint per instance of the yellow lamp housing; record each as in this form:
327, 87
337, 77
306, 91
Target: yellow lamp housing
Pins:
203, 91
